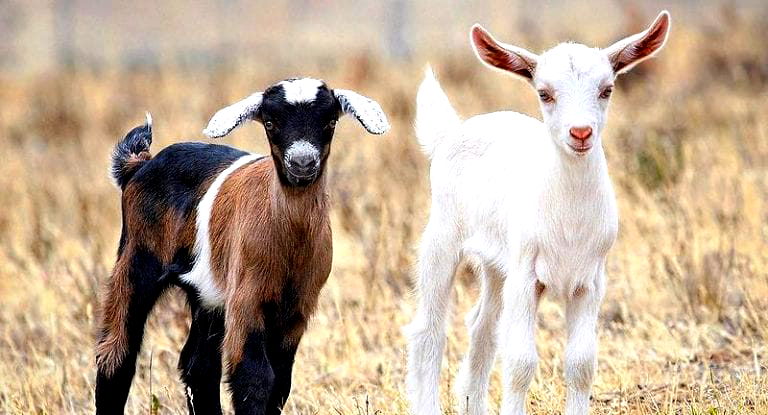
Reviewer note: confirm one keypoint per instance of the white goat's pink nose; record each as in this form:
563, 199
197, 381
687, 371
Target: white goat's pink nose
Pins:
581, 133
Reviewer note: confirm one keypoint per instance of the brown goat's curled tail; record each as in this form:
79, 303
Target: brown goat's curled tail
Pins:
131, 152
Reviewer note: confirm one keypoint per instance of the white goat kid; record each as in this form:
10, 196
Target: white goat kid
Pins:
533, 203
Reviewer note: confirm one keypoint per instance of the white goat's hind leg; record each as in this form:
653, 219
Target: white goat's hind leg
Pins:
517, 338
438, 258
474, 374
581, 351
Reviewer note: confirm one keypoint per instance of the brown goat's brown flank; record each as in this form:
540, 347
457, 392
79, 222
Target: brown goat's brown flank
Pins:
173, 231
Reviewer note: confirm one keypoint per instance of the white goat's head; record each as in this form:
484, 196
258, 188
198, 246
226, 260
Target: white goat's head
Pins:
574, 82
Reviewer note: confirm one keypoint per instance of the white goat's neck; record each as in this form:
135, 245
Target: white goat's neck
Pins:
578, 175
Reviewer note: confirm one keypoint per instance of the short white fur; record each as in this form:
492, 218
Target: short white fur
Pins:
228, 118
300, 148
537, 216
201, 276
300, 90
366, 110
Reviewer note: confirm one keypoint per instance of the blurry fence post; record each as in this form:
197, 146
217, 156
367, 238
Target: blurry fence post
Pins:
64, 31
397, 22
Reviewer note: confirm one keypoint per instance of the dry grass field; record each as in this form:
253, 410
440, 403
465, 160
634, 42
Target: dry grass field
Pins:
684, 328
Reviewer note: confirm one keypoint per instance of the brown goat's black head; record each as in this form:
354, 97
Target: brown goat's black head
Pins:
299, 116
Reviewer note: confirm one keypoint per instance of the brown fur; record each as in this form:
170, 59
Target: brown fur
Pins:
134, 162
266, 238
111, 350
579, 292
174, 232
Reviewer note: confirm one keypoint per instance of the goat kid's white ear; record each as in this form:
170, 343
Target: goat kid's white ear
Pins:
366, 110
497, 55
228, 118
630, 51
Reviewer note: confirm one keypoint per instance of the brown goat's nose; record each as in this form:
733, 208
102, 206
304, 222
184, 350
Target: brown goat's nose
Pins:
303, 160
581, 133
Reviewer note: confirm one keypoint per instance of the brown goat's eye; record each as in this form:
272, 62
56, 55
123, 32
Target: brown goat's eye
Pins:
606, 93
269, 125
545, 96
332, 124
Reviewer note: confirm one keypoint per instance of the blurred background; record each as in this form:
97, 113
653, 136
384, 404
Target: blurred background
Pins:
684, 325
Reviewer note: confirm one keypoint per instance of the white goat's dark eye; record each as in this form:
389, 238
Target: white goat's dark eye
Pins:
332, 124
268, 125
606, 93
545, 96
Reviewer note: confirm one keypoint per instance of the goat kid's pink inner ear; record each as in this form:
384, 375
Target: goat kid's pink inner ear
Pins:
644, 47
489, 50
497, 56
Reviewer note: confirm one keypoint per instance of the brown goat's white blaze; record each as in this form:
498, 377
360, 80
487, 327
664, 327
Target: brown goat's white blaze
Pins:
201, 276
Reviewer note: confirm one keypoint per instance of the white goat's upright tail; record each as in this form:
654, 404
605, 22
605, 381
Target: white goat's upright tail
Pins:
435, 117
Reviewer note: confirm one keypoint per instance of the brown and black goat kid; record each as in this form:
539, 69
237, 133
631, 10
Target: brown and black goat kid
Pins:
247, 237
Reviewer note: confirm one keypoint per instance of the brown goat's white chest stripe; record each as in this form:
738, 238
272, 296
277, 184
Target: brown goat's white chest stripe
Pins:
201, 276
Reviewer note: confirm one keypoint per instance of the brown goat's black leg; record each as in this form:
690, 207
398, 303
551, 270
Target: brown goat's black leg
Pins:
139, 273
252, 378
200, 362
281, 356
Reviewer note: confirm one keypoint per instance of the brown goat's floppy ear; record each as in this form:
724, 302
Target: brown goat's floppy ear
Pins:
630, 51
497, 55
366, 110
229, 118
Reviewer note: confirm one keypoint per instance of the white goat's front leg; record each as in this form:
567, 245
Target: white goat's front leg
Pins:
517, 335
581, 351
474, 374
438, 259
